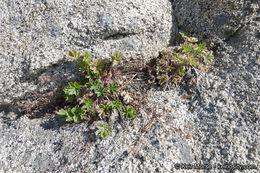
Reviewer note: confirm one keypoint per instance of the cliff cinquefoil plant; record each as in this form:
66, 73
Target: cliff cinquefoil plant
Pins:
172, 66
97, 94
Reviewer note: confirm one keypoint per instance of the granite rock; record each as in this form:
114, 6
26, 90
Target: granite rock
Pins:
218, 125
214, 21
37, 35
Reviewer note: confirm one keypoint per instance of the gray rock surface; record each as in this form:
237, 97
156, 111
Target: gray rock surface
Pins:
38, 34
220, 124
214, 20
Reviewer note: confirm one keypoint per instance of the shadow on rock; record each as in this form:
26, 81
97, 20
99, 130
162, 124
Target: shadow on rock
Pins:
47, 97
52, 124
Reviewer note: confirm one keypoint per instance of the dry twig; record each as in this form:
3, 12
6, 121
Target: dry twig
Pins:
122, 87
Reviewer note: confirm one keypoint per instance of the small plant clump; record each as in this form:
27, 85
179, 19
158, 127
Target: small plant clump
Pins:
172, 66
103, 130
97, 94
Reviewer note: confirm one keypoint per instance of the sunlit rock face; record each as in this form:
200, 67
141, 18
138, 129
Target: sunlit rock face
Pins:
37, 34
218, 126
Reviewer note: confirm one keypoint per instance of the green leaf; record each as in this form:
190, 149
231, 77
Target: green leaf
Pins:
116, 58
86, 57
186, 49
176, 79
129, 112
72, 90
192, 62
184, 36
202, 46
115, 105
103, 110
84, 64
78, 114
189, 39
103, 130
185, 62
177, 55
63, 114
169, 68
180, 58
197, 52
101, 91
74, 54
75, 114
93, 66
181, 71
88, 104
90, 83
208, 57
94, 85
97, 87
92, 75
112, 88
164, 53
100, 65
162, 79
161, 61
69, 98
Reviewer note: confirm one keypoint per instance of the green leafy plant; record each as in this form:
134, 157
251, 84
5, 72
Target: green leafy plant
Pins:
116, 58
97, 94
186, 49
103, 110
74, 54
115, 105
187, 38
74, 114
103, 130
171, 66
72, 91
129, 112
88, 104
112, 88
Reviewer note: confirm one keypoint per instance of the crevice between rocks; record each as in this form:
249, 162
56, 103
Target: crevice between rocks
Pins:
118, 36
234, 34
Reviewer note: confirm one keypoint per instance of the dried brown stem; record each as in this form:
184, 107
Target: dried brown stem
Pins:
122, 87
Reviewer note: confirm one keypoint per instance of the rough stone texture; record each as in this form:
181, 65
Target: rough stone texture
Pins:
214, 20
45, 145
220, 124
38, 34
227, 123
